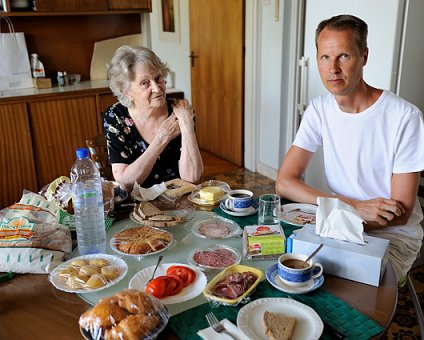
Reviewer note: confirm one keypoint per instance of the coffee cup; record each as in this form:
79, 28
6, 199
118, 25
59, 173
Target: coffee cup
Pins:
239, 200
293, 271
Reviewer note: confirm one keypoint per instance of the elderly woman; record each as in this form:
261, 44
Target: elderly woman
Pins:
150, 139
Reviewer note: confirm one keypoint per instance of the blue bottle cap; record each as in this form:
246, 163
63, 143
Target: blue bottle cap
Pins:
82, 153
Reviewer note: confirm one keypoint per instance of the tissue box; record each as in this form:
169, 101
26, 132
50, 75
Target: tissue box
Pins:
362, 263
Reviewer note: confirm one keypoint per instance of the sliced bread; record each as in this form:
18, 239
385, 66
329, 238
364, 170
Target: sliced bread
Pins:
147, 209
278, 326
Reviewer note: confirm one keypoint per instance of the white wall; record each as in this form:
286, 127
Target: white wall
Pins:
174, 53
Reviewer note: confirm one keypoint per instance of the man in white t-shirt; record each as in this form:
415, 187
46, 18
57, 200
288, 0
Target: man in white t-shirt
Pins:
373, 143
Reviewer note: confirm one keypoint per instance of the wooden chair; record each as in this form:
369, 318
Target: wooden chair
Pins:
418, 262
97, 147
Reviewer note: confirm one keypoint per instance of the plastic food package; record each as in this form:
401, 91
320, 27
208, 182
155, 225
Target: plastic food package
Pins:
129, 314
233, 285
263, 242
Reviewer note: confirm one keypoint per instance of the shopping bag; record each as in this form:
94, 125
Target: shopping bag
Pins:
15, 70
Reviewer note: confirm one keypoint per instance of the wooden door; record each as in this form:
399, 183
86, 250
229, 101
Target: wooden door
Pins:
217, 41
17, 169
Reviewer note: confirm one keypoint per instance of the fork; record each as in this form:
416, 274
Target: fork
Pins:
216, 325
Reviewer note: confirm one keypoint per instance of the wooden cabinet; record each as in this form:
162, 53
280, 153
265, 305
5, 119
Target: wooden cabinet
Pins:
59, 127
17, 166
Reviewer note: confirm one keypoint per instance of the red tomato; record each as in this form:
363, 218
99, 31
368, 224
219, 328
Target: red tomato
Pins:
175, 285
157, 286
186, 274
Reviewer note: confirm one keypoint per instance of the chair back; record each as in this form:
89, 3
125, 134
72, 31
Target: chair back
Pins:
97, 146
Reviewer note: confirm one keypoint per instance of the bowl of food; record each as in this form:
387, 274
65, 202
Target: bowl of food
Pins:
209, 193
216, 228
233, 285
217, 257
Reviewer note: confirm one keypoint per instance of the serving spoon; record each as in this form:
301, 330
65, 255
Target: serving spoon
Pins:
314, 253
156, 267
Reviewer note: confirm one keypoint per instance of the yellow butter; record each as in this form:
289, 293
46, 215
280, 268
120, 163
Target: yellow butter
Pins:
211, 193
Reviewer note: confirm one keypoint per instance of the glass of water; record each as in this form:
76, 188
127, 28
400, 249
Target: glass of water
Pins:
269, 209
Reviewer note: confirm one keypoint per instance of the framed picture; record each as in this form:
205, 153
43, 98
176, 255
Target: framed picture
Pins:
169, 20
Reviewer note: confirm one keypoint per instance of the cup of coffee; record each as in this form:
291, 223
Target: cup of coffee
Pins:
293, 270
239, 200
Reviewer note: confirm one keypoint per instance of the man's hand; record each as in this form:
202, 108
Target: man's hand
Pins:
379, 210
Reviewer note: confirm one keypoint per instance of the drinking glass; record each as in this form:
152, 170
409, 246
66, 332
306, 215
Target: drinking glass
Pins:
269, 209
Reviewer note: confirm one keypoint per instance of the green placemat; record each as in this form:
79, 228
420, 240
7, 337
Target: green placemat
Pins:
331, 309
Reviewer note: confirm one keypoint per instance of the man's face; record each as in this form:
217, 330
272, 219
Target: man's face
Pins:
340, 62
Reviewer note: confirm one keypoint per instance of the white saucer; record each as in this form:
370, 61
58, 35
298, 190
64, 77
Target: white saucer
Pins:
252, 210
276, 282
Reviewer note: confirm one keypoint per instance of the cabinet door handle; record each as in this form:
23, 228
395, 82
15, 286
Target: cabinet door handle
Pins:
192, 56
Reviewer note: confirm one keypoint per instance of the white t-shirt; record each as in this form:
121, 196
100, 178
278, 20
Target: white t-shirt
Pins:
363, 150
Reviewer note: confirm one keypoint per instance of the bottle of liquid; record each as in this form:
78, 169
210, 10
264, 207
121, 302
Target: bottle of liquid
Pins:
60, 79
37, 67
88, 204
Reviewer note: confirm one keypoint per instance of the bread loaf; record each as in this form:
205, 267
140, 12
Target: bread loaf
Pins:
278, 326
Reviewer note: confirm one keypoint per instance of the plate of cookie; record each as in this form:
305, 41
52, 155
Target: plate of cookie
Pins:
298, 214
88, 273
141, 241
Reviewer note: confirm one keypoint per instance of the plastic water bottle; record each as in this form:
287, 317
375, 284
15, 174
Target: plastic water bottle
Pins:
37, 67
88, 204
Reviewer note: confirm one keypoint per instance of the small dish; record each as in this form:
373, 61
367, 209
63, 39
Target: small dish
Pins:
276, 282
252, 210
194, 197
216, 257
298, 214
62, 284
216, 228
237, 268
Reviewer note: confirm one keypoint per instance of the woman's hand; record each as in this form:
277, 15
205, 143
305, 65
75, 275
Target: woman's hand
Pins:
184, 113
169, 129
379, 210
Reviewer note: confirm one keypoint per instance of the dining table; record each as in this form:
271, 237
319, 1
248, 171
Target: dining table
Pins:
32, 308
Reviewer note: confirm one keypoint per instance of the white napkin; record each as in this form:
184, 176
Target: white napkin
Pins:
210, 334
338, 220
149, 194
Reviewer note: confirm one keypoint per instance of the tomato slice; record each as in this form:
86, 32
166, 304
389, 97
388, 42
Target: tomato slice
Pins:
175, 286
157, 286
186, 274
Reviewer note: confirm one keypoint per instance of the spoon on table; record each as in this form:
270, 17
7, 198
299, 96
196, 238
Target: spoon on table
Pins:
156, 267
314, 253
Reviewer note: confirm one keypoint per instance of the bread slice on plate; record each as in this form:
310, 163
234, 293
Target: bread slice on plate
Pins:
147, 209
278, 326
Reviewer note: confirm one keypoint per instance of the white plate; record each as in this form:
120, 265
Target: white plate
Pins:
233, 228
112, 244
289, 212
184, 214
114, 260
276, 282
140, 280
195, 195
308, 324
252, 210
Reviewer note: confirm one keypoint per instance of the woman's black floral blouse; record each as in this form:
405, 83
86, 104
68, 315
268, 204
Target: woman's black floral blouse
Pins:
125, 145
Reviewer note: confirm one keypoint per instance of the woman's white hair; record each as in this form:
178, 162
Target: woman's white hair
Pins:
121, 69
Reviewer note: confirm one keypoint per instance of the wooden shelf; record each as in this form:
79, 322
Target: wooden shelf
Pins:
45, 14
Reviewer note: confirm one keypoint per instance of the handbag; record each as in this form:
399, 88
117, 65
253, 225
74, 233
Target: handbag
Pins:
15, 70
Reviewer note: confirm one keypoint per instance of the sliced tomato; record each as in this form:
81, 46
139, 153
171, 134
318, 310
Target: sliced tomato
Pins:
157, 287
175, 285
186, 274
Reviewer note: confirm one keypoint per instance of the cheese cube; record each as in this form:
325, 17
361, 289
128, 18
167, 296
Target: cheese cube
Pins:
211, 193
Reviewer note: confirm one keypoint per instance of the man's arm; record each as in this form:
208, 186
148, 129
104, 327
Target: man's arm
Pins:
290, 183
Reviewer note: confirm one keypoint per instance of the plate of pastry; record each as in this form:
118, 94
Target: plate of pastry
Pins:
88, 273
141, 241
